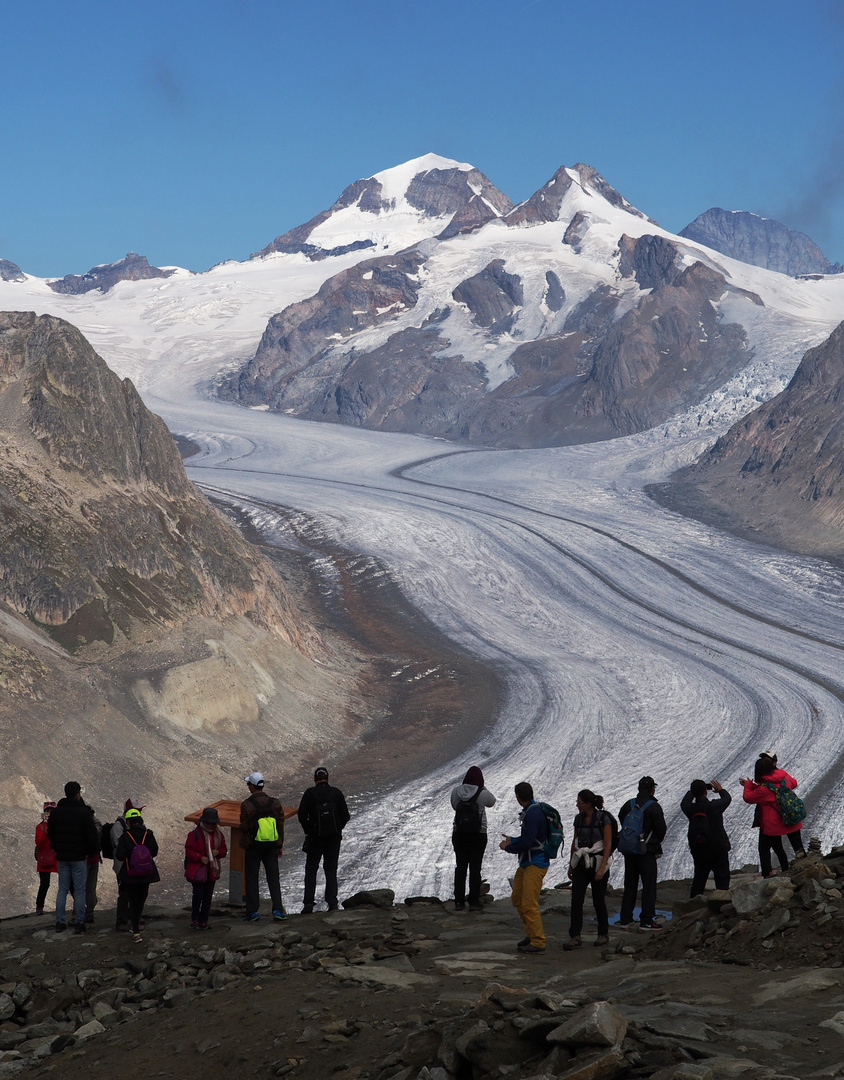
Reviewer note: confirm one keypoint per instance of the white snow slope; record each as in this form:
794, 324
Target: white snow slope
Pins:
629, 639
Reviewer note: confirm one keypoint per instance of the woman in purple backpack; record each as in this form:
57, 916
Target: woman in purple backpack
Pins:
137, 849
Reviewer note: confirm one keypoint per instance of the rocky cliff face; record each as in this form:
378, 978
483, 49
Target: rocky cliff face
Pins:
101, 530
132, 268
760, 241
778, 473
10, 271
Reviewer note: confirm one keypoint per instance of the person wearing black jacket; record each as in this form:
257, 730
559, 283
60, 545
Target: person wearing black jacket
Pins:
73, 836
708, 840
643, 865
323, 815
133, 886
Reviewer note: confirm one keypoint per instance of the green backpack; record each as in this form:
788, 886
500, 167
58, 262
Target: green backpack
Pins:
790, 807
267, 827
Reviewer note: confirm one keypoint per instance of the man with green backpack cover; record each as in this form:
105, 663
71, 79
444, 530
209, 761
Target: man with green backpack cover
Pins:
262, 835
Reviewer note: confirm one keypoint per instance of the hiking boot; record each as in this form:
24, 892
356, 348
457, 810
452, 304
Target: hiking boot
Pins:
572, 943
79, 928
39, 911
599, 941
279, 915
89, 917
193, 924
476, 907
60, 927
651, 925
626, 926
333, 907
531, 949
251, 916
521, 944
202, 926
459, 905
308, 909
121, 927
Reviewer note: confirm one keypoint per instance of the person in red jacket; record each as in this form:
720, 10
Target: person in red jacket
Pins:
204, 848
45, 858
771, 826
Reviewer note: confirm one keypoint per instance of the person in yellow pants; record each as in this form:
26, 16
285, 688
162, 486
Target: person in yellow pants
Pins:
533, 866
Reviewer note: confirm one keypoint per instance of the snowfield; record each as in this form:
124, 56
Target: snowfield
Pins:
630, 640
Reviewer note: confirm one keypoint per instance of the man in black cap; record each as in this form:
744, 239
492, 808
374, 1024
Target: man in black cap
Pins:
73, 836
323, 815
641, 832
708, 840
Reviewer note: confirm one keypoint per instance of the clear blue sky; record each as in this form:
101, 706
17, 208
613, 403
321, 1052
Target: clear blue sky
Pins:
193, 132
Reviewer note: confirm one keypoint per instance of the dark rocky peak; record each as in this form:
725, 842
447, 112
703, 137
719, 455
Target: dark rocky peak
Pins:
491, 295
432, 186
759, 241
652, 260
132, 268
85, 417
10, 271
546, 204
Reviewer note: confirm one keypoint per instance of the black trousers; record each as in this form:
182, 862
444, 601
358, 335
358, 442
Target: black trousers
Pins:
43, 887
122, 915
203, 893
717, 863
636, 867
469, 851
326, 850
767, 844
136, 896
261, 853
581, 878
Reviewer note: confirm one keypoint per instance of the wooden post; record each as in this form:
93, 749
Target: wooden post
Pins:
229, 811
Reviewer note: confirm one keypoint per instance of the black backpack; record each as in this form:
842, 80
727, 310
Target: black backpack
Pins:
467, 816
326, 819
702, 839
106, 846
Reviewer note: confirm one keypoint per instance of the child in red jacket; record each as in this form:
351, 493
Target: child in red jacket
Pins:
45, 858
204, 848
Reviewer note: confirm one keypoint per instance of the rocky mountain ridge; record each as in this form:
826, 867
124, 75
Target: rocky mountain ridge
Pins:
132, 268
778, 474
761, 241
573, 337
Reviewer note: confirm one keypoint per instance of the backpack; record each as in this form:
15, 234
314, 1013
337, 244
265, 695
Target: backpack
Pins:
554, 838
702, 840
106, 846
326, 820
266, 829
630, 838
790, 807
614, 830
467, 816
139, 864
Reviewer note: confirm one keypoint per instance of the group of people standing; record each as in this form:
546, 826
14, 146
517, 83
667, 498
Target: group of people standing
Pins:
637, 835
70, 841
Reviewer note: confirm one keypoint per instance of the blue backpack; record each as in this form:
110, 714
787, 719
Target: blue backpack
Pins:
630, 838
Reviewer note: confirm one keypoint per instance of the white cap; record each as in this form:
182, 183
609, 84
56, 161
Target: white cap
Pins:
256, 779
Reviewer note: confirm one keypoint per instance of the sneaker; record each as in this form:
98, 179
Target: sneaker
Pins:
121, 927
251, 916
279, 916
89, 917
79, 928
599, 941
137, 937
333, 907
476, 907
308, 909
572, 943
203, 926
521, 944
531, 949
652, 925
141, 926
626, 926
39, 911
193, 924
61, 927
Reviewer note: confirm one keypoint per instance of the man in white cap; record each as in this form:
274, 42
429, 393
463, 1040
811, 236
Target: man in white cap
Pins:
262, 835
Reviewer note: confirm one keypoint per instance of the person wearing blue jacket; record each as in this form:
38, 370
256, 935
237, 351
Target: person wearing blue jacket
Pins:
533, 866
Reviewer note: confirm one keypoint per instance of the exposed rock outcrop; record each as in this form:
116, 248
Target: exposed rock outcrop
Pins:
10, 271
778, 474
760, 241
132, 268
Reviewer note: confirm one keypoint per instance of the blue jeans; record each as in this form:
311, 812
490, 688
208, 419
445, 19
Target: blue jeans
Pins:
77, 872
